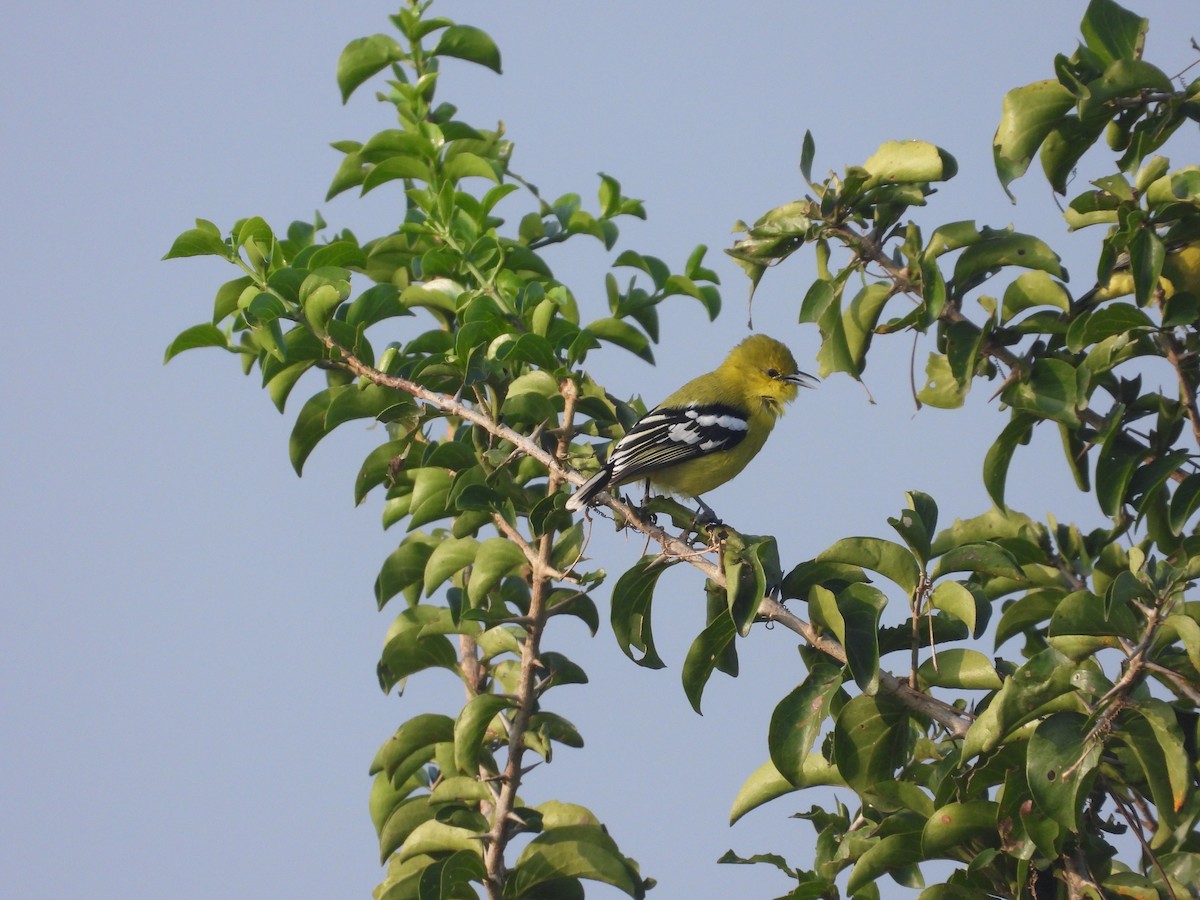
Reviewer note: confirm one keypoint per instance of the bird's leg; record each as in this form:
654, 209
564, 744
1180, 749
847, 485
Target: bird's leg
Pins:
648, 516
706, 515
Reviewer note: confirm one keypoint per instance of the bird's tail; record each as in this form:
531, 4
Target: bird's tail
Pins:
587, 491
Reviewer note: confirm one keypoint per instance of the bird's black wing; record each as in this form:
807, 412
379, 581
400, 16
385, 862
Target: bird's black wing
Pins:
668, 436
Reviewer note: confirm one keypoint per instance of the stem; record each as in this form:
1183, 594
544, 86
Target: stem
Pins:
527, 693
1185, 371
348, 360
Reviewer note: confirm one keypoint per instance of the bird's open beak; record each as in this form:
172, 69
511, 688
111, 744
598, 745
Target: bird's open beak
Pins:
801, 379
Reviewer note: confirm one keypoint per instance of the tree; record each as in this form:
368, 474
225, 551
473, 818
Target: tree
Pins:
1024, 771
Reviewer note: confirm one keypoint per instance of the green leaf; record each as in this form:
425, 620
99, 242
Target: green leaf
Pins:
430, 495
403, 820
959, 668
632, 597
942, 388
1001, 249
808, 149
326, 410
1052, 391
364, 57
1045, 677
420, 731
1027, 116
1058, 764
450, 556
226, 301
766, 783
1107, 321
395, 168
470, 729
1184, 503
909, 162
1153, 757
954, 892
495, 558
384, 798
459, 788
469, 43
823, 304
1118, 460
888, 558
705, 655
378, 466
623, 334
1029, 610
469, 165
1081, 625
1164, 725
658, 271
547, 726
434, 837
822, 606
870, 740
573, 851
798, 718
1146, 254
1064, 147
404, 567
202, 335
894, 851
953, 829
1113, 32
745, 585
450, 877
203, 240
321, 303
1186, 630
861, 317
911, 526
409, 649
861, 606
1033, 289
955, 600
980, 557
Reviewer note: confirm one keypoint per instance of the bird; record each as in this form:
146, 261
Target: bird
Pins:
706, 432
1180, 273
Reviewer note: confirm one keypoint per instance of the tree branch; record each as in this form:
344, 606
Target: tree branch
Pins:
527, 693
954, 720
455, 408
1185, 370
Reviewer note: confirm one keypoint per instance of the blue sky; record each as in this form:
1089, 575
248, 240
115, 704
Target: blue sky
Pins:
187, 657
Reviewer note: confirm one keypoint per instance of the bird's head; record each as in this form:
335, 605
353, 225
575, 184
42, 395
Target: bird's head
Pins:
769, 365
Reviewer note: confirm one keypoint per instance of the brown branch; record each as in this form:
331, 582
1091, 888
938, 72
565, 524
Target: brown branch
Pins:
1145, 97
1181, 684
541, 580
1180, 362
955, 721
454, 407
1136, 827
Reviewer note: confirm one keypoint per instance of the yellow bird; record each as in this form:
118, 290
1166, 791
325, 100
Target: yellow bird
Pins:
707, 431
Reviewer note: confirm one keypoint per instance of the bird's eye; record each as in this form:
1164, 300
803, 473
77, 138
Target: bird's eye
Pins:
772, 373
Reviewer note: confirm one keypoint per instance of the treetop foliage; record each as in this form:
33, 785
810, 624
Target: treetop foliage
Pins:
1063, 763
